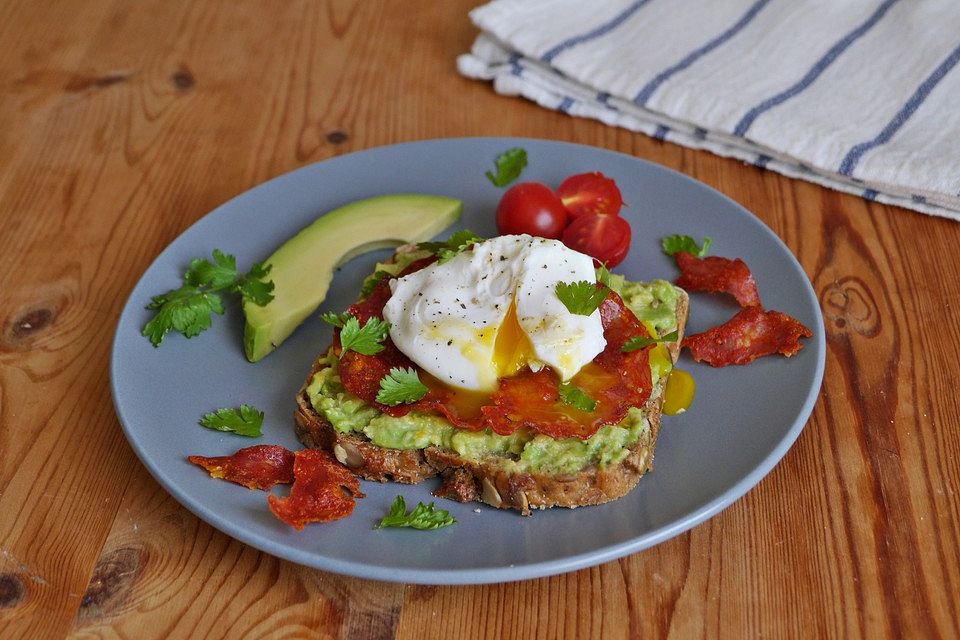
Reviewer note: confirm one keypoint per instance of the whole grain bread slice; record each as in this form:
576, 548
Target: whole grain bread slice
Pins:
491, 479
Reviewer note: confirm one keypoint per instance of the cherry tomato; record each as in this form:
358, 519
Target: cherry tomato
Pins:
531, 207
590, 193
604, 238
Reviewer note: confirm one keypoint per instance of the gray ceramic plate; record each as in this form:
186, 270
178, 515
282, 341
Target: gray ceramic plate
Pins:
743, 421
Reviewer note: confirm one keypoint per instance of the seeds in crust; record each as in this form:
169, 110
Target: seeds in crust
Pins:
348, 455
490, 494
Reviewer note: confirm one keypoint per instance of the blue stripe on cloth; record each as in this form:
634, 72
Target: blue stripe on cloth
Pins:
661, 132
565, 104
604, 98
909, 108
762, 161
819, 67
870, 194
698, 53
602, 30
515, 67
918, 198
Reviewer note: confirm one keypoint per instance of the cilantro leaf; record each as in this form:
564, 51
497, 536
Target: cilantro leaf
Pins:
676, 243
423, 516
457, 243
639, 342
243, 421
401, 386
203, 273
367, 340
185, 310
253, 287
188, 310
371, 282
453, 247
576, 397
335, 319
510, 165
581, 298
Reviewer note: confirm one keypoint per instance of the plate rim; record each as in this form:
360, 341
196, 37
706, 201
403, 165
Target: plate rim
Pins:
509, 573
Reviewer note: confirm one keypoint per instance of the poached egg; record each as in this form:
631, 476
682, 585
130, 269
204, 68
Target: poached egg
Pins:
490, 311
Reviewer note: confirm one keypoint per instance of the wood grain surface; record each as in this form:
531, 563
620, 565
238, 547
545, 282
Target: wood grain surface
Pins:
122, 123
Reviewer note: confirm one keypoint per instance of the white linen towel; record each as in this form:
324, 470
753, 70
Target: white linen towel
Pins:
862, 96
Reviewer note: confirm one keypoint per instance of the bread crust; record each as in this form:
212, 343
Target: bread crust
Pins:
488, 480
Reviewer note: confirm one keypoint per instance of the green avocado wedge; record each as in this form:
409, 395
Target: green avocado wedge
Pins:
303, 267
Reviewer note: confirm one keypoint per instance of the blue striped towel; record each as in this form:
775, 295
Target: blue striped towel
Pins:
860, 96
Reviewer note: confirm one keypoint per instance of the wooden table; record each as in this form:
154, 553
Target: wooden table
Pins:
122, 123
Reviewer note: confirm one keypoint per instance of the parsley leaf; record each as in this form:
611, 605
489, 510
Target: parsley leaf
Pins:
576, 397
401, 386
581, 298
639, 342
424, 516
188, 310
335, 319
510, 165
453, 247
676, 243
367, 340
244, 421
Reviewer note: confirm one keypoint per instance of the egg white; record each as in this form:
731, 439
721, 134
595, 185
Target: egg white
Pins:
447, 317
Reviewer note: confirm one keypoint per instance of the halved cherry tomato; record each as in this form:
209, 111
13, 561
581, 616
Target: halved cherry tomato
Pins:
604, 238
531, 207
590, 193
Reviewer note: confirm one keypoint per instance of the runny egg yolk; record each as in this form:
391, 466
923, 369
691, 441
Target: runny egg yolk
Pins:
512, 349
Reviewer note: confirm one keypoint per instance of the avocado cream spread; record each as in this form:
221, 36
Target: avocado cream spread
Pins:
654, 303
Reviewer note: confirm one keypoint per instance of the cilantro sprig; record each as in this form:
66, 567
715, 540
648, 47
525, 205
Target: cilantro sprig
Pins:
189, 310
510, 165
676, 243
581, 298
367, 339
423, 516
335, 319
639, 342
401, 386
244, 420
451, 248
576, 397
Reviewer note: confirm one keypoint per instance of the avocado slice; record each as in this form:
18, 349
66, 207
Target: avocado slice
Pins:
303, 267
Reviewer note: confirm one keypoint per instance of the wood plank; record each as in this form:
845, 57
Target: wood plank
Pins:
164, 570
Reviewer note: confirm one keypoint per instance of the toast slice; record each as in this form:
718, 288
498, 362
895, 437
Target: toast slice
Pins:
493, 479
